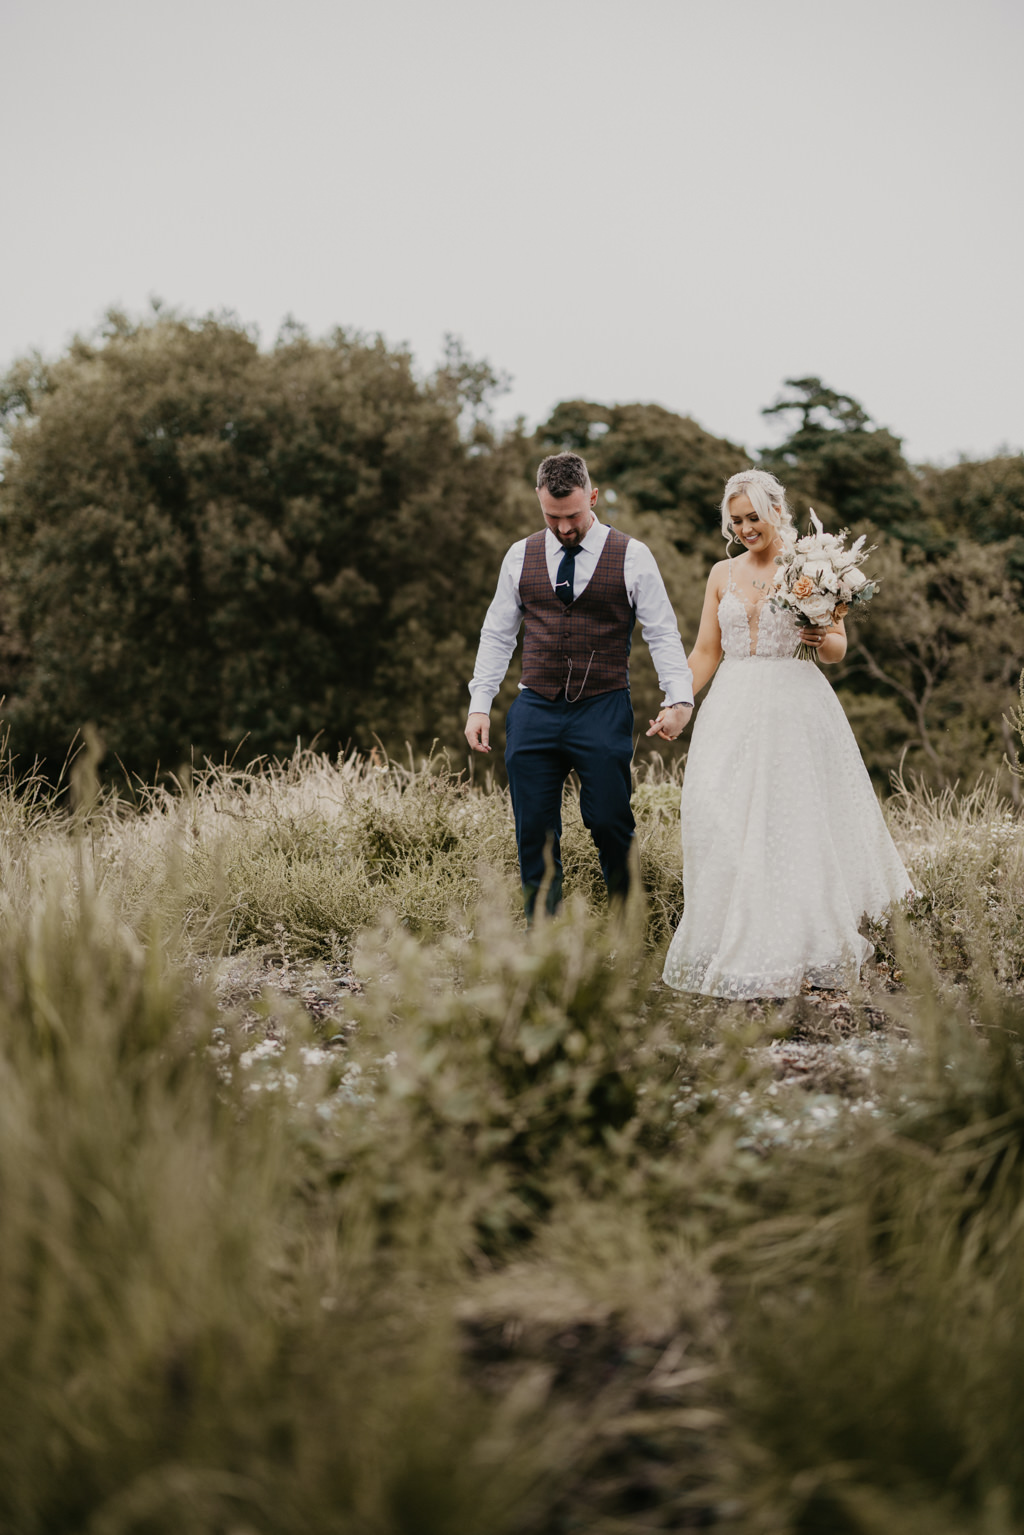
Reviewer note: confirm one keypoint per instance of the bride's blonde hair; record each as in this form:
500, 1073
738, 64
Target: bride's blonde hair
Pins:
766, 496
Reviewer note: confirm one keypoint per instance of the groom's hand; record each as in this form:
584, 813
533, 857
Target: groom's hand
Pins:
478, 732
671, 723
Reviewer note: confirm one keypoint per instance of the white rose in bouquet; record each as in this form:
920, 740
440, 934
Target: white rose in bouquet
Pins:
814, 569
817, 609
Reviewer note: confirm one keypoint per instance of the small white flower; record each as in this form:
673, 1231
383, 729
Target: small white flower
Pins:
265, 1050
313, 1056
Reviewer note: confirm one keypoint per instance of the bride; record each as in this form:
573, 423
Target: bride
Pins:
784, 845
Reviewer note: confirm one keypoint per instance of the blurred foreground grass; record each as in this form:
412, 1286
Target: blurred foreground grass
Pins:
511, 1239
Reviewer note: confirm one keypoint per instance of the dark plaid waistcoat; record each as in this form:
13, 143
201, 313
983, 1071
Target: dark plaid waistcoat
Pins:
582, 649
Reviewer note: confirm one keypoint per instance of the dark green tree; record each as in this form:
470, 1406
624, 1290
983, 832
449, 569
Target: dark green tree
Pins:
851, 471
978, 499
204, 542
932, 668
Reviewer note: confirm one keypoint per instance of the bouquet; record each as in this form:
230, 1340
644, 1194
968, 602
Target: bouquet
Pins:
818, 580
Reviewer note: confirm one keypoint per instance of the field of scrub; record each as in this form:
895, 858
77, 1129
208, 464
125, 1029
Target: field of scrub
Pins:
332, 1200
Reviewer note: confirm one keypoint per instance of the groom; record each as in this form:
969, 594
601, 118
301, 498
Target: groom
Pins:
579, 586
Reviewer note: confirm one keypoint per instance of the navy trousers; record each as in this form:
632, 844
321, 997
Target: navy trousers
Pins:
544, 740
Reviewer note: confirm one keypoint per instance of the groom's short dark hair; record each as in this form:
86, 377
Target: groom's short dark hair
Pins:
562, 473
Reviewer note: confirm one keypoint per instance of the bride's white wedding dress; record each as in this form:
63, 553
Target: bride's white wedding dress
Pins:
784, 844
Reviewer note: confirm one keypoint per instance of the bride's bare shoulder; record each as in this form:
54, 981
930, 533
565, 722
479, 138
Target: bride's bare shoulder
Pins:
718, 580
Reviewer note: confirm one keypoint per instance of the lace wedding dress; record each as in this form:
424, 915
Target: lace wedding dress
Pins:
784, 844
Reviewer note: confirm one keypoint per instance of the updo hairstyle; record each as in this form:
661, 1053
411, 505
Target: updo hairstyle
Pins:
766, 496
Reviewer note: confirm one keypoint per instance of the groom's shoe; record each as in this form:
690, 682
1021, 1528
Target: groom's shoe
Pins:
552, 898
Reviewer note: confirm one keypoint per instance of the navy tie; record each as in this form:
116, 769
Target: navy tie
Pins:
563, 580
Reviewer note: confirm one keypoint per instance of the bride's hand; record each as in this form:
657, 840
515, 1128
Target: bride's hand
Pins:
671, 723
815, 637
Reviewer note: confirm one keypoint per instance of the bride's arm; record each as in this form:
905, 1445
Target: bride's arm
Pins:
830, 644
707, 648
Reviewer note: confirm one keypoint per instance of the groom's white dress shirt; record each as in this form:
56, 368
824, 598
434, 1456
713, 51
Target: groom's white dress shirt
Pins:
647, 596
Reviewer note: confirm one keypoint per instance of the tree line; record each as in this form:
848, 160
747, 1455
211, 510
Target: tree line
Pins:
208, 547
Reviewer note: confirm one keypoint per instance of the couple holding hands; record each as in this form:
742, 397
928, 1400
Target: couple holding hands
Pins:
784, 845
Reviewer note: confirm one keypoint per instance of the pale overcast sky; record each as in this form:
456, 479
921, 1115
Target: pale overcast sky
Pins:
672, 200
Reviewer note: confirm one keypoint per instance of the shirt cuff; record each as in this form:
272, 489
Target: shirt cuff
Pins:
685, 703
480, 703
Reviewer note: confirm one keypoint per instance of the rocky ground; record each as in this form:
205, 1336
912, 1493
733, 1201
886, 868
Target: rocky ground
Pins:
263, 989
829, 1049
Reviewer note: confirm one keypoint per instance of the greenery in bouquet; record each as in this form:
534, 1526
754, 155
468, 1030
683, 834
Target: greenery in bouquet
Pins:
818, 579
